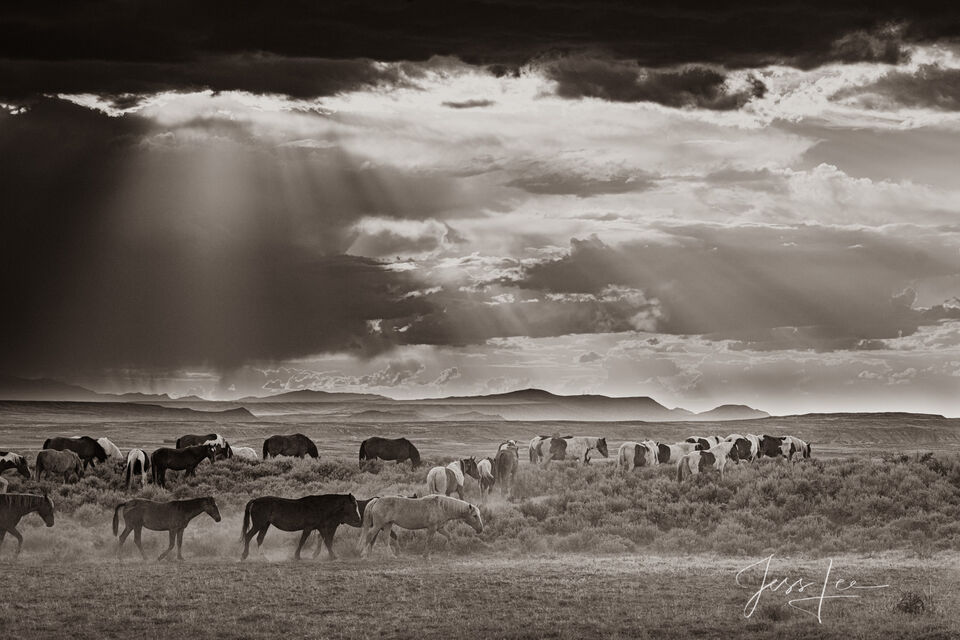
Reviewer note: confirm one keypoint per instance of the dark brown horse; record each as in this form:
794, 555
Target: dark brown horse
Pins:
86, 447
221, 448
185, 459
323, 513
398, 449
505, 468
10, 460
173, 516
14, 506
296, 445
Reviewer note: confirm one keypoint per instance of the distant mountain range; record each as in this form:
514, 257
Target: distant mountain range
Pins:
523, 404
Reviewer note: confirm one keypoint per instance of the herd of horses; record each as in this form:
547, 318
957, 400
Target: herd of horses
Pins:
69, 457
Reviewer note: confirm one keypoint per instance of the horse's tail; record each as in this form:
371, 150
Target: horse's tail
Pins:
363, 452
128, 471
680, 464
39, 466
246, 521
265, 449
116, 518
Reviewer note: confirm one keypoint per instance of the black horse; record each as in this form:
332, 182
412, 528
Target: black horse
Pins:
323, 513
14, 506
173, 516
398, 449
296, 445
505, 468
86, 447
185, 459
221, 447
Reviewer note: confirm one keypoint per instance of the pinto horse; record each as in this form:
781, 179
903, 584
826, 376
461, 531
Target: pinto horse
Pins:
173, 516
323, 513
399, 449
671, 453
14, 506
138, 463
575, 448
449, 479
296, 445
697, 462
704, 443
185, 459
535, 448
430, 513
10, 460
636, 454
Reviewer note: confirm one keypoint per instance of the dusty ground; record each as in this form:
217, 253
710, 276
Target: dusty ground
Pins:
566, 596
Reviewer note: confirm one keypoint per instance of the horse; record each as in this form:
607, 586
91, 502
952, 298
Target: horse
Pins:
14, 506
534, 448
505, 466
576, 448
248, 454
113, 451
138, 463
743, 445
430, 512
398, 449
636, 454
508, 444
667, 453
10, 460
704, 443
296, 445
322, 513
449, 479
185, 459
222, 449
698, 461
65, 463
86, 447
487, 479
173, 516
797, 446
774, 447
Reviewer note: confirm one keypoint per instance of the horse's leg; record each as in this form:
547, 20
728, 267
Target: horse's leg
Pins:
460, 491
16, 534
303, 538
173, 540
260, 536
388, 536
180, 543
4, 483
137, 532
247, 537
123, 538
328, 542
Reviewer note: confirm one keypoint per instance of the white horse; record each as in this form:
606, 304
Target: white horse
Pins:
696, 462
487, 480
246, 453
430, 512
138, 463
449, 479
574, 448
536, 454
112, 450
10, 460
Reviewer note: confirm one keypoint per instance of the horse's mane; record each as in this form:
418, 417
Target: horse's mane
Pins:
24, 500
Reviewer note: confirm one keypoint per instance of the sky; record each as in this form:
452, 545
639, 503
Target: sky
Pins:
706, 203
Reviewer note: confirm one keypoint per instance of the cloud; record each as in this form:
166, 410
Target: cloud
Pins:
448, 374
469, 104
929, 86
589, 356
625, 81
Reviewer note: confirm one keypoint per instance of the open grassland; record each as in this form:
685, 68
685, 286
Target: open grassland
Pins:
568, 596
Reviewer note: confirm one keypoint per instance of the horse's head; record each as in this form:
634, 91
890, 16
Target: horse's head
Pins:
469, 467
350, 512
472, 518
45, 510
414, 456
211, 452
602, 447
210, 506
22, 467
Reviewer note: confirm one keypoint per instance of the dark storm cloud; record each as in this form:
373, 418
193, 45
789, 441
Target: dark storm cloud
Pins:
95, 278
470, 104
623, 81
930, 86
765, 287
123, 80
177, 33
565, 183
